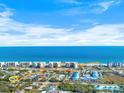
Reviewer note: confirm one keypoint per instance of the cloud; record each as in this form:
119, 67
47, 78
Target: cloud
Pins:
72, 11
105, 5
107, 34
5, 12
15, 33
76, 2
85, 7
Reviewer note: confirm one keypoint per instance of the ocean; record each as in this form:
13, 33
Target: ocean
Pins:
80, 54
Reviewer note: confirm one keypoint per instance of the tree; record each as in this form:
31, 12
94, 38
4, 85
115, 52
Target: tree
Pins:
1, 73
4, 87
76, 88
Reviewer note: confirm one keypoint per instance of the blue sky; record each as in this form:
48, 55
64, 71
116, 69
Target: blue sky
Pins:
62, 22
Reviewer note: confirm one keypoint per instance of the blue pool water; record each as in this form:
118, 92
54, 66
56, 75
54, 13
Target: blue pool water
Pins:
81, 54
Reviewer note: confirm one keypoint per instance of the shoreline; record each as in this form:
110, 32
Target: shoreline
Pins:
60, 63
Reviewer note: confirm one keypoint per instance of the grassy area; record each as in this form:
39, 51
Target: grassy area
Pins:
76, 88
113, 79
32, 91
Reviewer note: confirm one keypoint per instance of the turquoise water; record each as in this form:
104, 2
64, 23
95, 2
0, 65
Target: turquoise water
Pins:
80, 54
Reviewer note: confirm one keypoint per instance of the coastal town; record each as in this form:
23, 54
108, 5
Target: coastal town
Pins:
61, 77
61, 46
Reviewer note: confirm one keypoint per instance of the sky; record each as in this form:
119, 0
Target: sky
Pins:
61, 22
